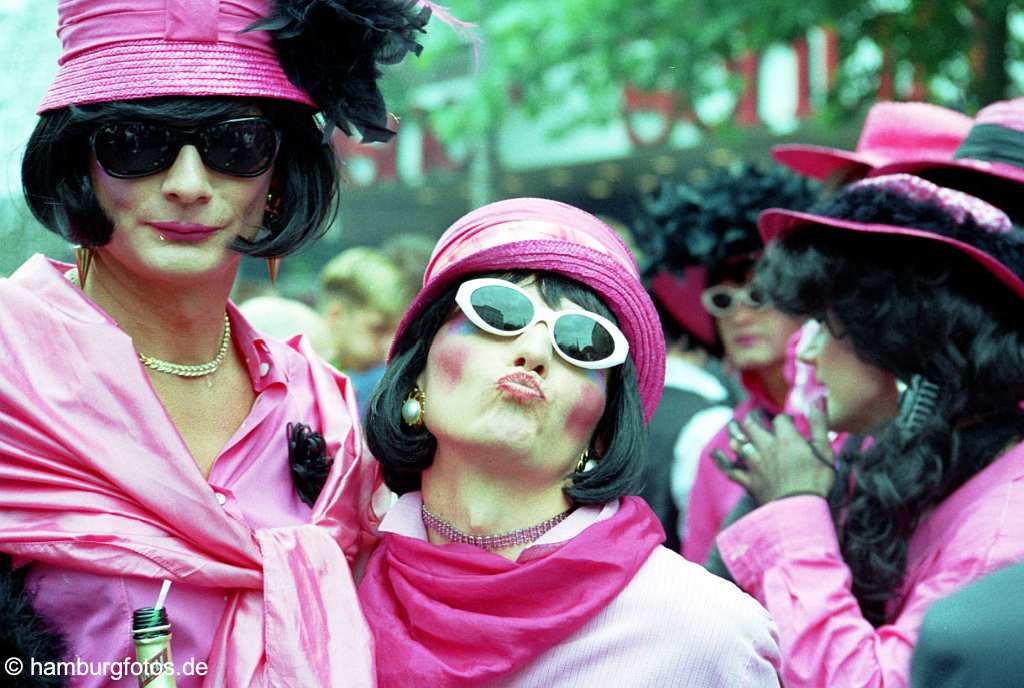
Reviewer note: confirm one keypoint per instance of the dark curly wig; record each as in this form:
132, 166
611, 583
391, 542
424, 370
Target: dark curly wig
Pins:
910, 307
715, 223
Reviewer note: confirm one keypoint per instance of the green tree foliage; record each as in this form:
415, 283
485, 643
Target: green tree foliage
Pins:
536, 54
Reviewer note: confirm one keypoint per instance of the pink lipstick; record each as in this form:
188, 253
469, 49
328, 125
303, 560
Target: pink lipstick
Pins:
178, 231
522, 387
747, 340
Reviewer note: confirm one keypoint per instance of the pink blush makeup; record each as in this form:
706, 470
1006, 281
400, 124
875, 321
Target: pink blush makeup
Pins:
585, 412
450, 358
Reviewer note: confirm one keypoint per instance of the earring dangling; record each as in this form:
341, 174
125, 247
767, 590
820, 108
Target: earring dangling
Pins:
413, 408
271, 216
273, 265
83, 261
581, 465
272, 211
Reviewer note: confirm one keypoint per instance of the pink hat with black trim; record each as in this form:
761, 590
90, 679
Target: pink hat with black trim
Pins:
777, 223
993, 147
892, 132
116, 50
541, 235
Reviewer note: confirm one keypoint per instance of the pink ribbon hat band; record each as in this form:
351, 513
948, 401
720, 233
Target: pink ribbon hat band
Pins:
994, 146
148, 48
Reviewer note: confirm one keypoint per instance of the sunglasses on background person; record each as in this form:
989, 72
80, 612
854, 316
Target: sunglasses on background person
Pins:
721, 300
584, 339
240, 147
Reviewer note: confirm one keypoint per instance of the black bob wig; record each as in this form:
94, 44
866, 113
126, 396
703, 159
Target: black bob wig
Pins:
404, 452
59, 191
910, 307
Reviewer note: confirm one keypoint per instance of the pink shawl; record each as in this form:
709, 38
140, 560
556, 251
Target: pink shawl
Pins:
453, 616
94, 476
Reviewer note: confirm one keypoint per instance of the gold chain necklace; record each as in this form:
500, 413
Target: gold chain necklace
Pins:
197, 370
162, 366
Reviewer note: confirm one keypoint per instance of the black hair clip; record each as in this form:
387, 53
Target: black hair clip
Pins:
917, 403
307, 456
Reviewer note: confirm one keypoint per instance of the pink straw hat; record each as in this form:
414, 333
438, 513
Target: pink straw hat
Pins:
892, 132
326, 54
147, 48
540, 235
993, 147
994, 223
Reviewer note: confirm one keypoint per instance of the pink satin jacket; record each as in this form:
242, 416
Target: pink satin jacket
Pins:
786, 554
101, 499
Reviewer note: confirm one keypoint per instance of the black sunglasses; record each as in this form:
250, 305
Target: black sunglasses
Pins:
241, 147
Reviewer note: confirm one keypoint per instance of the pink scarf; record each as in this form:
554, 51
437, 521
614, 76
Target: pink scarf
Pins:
455, 615
102, 482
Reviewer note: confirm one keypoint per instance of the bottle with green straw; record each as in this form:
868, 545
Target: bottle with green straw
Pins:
151, 631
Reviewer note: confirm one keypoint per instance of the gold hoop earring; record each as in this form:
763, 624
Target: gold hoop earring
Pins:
83, 261
581, 465
273, 265
414, 407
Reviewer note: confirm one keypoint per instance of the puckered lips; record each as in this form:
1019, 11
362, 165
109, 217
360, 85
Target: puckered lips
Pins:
745, 340
522, 387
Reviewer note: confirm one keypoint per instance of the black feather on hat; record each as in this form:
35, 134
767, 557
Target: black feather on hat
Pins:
333, 50
24, 635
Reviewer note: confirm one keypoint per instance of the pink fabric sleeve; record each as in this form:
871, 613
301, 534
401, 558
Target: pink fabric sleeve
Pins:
786, 554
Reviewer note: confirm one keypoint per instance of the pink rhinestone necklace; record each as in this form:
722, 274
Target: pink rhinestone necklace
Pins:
523, 536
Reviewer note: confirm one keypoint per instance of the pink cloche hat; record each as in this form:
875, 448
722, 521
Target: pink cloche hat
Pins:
994, 146
285, 49
992, 248
541, 235
892, 132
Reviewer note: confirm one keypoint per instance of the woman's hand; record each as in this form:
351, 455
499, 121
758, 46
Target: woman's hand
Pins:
778, 462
